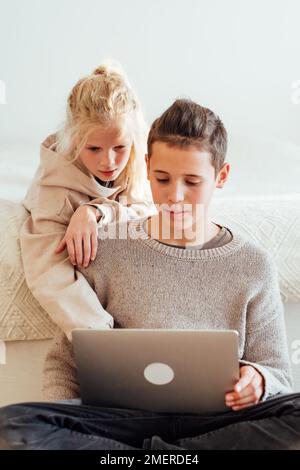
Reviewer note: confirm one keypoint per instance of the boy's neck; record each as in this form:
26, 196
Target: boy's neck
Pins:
206, 231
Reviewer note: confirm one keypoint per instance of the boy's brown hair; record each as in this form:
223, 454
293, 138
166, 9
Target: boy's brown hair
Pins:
187, 123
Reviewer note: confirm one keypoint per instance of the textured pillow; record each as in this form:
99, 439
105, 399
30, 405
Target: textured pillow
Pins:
21, 316
273, 223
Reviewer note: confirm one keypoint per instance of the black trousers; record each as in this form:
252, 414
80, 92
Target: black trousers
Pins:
273, 424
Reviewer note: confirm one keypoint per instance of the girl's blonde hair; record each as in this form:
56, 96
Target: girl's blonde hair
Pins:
95, 101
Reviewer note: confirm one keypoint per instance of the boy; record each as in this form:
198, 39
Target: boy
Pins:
177, 269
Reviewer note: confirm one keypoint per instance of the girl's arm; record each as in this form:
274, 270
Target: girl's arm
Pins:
59, 288
80, 238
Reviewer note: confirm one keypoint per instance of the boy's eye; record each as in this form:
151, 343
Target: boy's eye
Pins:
161, 181
191, 183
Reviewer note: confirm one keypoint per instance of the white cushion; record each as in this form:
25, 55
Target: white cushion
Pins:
272, 222
21, 316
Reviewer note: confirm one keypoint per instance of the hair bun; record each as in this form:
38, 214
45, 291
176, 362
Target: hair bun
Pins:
101, 70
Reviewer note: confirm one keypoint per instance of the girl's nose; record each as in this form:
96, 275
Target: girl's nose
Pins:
108, 157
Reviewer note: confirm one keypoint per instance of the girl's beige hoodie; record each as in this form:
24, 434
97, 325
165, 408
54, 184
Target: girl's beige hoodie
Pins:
58, 189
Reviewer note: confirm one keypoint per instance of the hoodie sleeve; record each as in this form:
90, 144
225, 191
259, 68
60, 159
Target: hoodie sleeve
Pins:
58, 286
266, 343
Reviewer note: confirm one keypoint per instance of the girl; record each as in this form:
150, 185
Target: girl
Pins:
87, 171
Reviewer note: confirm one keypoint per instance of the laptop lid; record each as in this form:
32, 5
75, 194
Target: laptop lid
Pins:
161, 370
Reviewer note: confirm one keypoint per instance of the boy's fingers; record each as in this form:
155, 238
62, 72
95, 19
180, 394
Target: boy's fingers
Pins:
251, 389
246, 391
249, 402
234, 396
247, 374
250, 398
240, 407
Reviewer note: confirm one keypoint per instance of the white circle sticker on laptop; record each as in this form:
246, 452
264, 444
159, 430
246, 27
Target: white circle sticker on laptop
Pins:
159, 373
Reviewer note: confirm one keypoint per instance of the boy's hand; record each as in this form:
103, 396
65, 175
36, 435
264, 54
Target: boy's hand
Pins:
247, 391
81, 238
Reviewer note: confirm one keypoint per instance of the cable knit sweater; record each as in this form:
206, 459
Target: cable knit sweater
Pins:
142, 283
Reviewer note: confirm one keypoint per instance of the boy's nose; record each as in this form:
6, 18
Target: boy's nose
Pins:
176, 194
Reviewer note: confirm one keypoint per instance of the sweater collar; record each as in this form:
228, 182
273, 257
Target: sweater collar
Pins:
137, 230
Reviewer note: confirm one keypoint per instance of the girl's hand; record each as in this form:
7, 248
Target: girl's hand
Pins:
247, 391
81, 237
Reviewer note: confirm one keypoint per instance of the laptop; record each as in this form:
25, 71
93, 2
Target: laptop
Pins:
159, 370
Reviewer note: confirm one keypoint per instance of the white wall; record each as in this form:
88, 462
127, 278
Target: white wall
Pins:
239, 57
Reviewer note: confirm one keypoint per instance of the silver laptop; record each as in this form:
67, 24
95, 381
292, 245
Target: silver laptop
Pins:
161, 370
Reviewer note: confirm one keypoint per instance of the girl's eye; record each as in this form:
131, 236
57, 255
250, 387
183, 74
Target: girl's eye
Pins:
94, 149
192, 183
120, 147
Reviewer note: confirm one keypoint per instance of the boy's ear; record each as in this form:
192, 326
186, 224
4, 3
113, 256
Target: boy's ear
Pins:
147, 160
223, 175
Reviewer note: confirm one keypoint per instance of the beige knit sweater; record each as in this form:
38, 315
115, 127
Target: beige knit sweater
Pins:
143, 283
